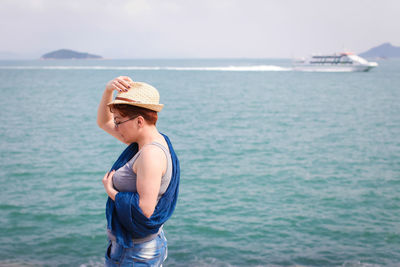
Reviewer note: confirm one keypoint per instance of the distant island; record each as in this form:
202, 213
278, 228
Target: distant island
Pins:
386, 50
69, 54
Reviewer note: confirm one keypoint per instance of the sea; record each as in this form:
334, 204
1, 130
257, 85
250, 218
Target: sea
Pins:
278, 167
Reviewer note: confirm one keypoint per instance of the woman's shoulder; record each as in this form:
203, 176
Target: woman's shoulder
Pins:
155, 149
154, 152
151, 160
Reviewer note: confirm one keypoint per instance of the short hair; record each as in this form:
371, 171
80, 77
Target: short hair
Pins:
126, 110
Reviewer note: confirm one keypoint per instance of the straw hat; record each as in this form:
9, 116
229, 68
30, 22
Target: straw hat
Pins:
141, 95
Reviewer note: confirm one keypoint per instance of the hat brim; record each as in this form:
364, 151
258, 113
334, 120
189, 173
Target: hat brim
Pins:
154, 107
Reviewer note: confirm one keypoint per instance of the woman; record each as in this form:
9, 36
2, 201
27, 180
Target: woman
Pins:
143, 183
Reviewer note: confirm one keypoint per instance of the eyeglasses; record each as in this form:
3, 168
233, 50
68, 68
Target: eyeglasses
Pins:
118, 123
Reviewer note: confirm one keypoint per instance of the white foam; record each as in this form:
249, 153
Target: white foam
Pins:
233, 68
223, 68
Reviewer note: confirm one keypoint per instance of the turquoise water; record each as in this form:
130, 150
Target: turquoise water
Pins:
278, 167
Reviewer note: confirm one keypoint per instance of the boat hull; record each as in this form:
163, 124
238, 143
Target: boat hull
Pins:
332, 68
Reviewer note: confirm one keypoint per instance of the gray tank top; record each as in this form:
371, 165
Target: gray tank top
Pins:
124, 178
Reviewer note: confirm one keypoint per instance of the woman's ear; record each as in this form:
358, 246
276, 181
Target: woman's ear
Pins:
140, 121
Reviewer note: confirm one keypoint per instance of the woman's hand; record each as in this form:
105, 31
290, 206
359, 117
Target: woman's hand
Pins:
108, 184
121, 84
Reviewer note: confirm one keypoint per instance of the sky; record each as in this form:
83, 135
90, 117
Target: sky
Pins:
196, 29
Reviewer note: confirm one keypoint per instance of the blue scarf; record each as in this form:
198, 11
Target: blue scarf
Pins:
124, 216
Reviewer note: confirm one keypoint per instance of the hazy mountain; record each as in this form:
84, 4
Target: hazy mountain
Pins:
385, 50
69, 54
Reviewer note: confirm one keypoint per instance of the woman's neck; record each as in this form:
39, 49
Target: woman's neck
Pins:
149, 135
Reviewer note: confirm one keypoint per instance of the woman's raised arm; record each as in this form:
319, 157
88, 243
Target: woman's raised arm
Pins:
104, 116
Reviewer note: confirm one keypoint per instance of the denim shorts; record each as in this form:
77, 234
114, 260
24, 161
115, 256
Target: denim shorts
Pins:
150, 253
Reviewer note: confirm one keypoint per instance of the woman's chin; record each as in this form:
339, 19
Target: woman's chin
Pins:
126, 139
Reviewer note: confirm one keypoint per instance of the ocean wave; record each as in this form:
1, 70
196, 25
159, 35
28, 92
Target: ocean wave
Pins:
221, 68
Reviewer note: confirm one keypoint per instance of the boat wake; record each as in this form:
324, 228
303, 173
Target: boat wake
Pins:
173, 68
254, 68
234, 68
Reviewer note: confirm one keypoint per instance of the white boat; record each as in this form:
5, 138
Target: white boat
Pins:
345, 62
